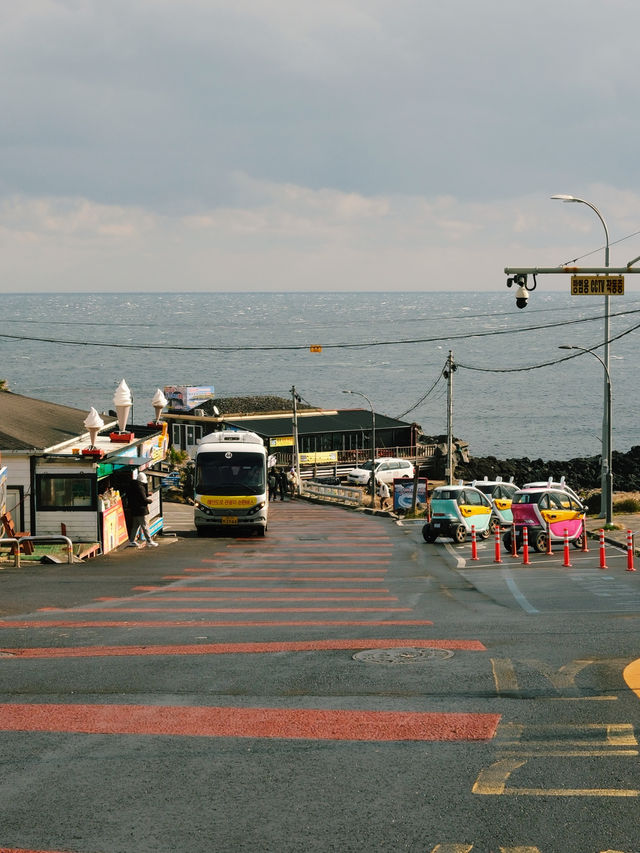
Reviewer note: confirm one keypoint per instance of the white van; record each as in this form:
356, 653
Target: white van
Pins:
386, 470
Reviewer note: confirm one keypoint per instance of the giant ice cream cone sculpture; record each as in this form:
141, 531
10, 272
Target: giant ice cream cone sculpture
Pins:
159, 402
122, 401
94, 423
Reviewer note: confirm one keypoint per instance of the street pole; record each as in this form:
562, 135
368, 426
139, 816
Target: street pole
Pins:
606, 479
606, 509
448, 373
296, 452
373, 444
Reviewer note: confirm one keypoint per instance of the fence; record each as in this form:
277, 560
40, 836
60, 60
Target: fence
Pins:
15, 543
343, 494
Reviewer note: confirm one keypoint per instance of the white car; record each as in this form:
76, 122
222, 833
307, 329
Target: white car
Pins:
550, 484
386, 470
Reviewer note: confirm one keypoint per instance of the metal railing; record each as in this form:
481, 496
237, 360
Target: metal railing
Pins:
18, 541
344, 494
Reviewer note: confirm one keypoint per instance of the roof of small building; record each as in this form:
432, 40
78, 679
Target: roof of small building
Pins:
30, 424
345, 420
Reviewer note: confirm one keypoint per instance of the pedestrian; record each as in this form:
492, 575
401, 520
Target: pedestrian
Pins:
384, 494
282, 482
273, 484
292, 480
139, 501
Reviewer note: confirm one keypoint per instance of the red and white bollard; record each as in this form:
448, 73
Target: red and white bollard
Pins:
630, 567
525, 547
474, 543
584, 533
603, 560
514, 541
497, 556
567, 560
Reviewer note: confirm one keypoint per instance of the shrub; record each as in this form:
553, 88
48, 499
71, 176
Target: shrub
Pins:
627, 505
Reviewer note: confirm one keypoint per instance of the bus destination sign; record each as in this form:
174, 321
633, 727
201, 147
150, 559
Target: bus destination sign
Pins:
597, 285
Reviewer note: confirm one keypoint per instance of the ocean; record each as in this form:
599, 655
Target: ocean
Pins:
75, 348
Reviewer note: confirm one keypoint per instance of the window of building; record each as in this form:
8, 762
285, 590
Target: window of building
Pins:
65, 492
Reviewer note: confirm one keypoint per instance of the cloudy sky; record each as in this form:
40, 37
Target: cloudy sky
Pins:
313, 144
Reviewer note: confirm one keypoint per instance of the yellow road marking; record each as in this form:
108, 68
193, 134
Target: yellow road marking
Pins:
631, 675
492, 781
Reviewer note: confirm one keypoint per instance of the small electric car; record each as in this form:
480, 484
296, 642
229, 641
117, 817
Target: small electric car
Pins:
500, 494
455, 510
545, 512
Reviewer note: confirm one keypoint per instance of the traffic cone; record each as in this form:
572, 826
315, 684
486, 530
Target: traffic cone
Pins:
630, 551
603, 561
567, 559
474, 543
525, 547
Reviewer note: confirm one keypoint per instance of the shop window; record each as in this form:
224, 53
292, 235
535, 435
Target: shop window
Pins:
65, 492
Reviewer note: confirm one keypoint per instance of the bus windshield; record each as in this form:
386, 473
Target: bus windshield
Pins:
226, 473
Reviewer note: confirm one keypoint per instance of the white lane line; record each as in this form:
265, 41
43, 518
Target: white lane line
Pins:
515, 592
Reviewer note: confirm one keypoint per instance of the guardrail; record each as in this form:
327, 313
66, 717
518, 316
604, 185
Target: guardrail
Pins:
22, 539
343, 494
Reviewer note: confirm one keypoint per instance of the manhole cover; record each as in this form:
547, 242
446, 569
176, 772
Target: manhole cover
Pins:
408, 655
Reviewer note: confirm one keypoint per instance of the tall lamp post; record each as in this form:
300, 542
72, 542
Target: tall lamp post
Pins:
606, 500
605, 476
373, 443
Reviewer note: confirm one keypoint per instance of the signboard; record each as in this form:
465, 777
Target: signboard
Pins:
114, 527
319, 458
403, 493
597, 285
183, 398
281, 441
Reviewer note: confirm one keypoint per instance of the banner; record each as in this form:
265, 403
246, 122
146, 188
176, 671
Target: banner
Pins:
403, 493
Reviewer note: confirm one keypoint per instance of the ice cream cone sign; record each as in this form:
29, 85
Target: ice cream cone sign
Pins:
122, 400
158, 402
94, 423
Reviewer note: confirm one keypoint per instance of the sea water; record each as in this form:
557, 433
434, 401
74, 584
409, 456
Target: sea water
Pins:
75, 348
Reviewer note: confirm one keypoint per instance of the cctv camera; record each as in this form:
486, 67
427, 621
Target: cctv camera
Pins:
522, 297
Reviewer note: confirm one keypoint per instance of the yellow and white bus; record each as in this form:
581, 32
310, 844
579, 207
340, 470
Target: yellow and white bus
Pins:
230, 483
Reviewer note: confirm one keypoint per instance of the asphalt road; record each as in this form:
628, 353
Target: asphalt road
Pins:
336, 686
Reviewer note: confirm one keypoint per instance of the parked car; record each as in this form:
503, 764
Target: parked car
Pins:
387, 469
500, 494
550, 484
455, 510
545, 512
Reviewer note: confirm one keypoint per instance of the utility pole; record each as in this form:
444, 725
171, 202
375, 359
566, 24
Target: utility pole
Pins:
296, 455
448, 375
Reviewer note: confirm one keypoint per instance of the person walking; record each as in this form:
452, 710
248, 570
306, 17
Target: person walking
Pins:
139, 501
384, 494
292, 482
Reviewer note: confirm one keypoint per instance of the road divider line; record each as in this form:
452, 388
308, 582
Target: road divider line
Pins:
236, 648
287, 723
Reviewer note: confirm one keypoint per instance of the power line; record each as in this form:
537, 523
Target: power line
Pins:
299, 347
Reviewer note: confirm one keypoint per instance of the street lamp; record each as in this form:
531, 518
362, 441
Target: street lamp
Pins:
605, 482
606, 498
373, 443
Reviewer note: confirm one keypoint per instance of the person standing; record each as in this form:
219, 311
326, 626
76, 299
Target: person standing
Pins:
139, 501
282, 482
273, 484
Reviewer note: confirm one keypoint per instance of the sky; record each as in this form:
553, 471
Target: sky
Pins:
290, 145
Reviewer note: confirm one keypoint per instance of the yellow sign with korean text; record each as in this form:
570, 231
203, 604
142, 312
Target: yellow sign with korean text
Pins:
597, 285
228, 501
326, 456
281, 441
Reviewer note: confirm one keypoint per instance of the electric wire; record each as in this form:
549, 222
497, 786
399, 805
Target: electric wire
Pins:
299, 347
